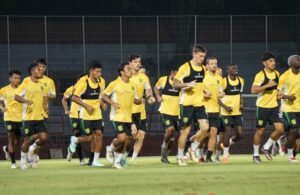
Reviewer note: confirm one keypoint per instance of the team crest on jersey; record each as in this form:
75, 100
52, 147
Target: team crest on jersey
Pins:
120, 128
42, 88
132, 88
185, 119
168, 122
293, 121
218, 82
74, 125
87, 130
260, 122
140, 80
9, 127
26, 131
226, 121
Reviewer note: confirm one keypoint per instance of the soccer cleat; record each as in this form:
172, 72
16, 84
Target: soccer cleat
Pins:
124, 162
14, 166
117, 165
217, 160
69, 155
186, 157
72, 146
293, 160
7, 157
81, 163
256, 159
267, 153
97, 164
208, 160
23, 165
225, 159
181, 162
201, 160
109, 155
165, 161
164, 156
35, 160
193, 155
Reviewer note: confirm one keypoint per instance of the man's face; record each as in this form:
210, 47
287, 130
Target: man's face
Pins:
15, 79
96, 73
43, 68
232, 70
136, 64
36, 72
212, 65
199, 57
270, 63
127, 71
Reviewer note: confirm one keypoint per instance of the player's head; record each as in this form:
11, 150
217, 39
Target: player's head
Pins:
34, 71
80, 75
14, 77
135, 61
41, 62
124, 70
212, 64
232, 69
294, 61
269, 61
199, 53
173, 72
95, 69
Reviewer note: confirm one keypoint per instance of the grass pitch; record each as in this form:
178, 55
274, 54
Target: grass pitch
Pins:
240, 177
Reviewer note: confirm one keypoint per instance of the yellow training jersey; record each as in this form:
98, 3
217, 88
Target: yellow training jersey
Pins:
267, 98
170, 96
213, 84
33, 91
123, 94
74, 108
13, 108
89, 92
289, 84
233, 90
187, 73
101, 81
142, 83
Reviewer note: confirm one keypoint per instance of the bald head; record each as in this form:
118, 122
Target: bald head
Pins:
294, 61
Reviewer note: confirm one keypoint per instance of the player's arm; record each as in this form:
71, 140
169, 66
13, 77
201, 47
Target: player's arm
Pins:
52, 93
65, 105
148, 91
227, 108
256, 88
157, 88
2, 106
22, 100
20, 93
81, 87
178, 80
241, 97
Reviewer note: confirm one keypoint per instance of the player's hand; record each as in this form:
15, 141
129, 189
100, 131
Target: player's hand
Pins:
271, 83
206, 93
3, 109
67, 112
279, 96
241, 107
159, 99
29, 102
292, 98
192, 83
221, 94
89, 109
150, 100
115, 106
104, 106
228, 108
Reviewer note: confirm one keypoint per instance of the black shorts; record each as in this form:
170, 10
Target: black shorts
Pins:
14, 127
293, 119
230, 121
34, 127
214, 120
190, 113
264, 115
121, 127
140, 124
89, 126
75, 123
221, 129
169, 121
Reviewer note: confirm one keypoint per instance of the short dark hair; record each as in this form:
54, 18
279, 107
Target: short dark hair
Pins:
174, 68
40, 61
230, 65
210, 58
133, 57
94, 64
121, 67
268, 56
199, 48
32, 66
10, 73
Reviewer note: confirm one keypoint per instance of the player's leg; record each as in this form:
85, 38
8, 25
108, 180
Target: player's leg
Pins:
293, 119
261, 119
211, 143
168, 124
98, 139
142, 126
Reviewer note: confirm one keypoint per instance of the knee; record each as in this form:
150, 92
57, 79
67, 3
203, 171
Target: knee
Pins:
141, 135
98, 133
170, 131
259, 132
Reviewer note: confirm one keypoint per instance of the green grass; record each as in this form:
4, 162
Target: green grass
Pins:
149, 176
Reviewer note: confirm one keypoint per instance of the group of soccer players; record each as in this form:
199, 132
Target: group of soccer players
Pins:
194, 97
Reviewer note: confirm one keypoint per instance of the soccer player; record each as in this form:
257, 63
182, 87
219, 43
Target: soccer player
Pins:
265, 85
12, 115
73, 113
87, 95
121, 94
212, 92
142, 83
189, 79
31, 94
289, 87
231, 106
169, 111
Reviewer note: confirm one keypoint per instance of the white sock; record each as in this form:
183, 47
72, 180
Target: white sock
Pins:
125, 154
164, 145
226, 151
23, 157
76, 139
112, 147
256, 150
268, 144
201, 153
180, 153
96, 156
218, 153
231, 142
195, 145
134, 155
290, 153
118, 157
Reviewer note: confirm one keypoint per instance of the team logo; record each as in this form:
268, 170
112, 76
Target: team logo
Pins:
87, 130
42, 88
120, 128
9, 127
218, 82
168, 122
226, 121
260, 122
26, 131
293, 121
74, 125
132, 88
185, 119
140, 80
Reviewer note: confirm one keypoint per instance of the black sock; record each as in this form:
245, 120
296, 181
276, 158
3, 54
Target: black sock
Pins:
79, 152
187, 145
294, 153
208, 154
12, 157
6, 148
91, 157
